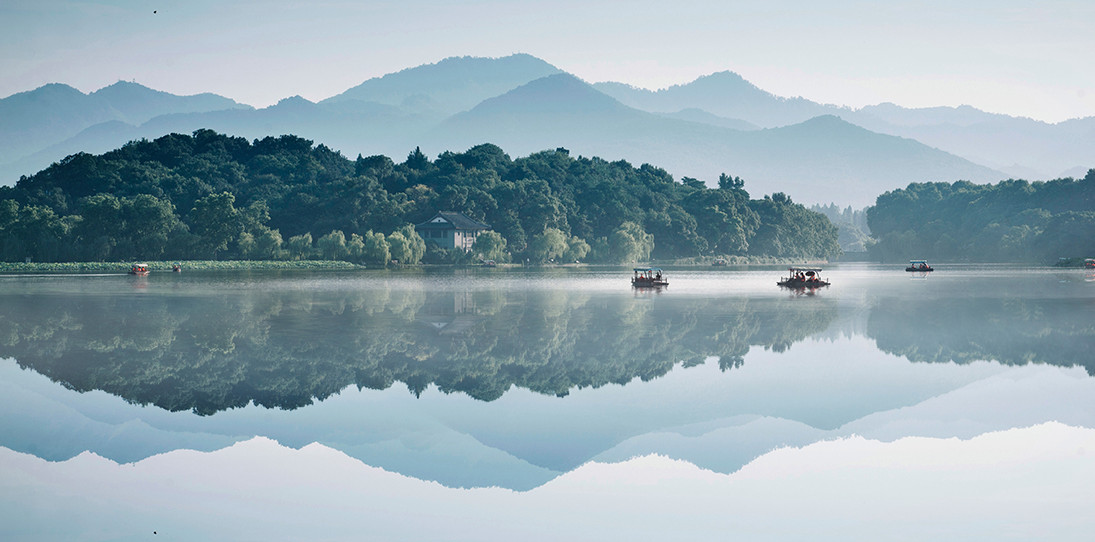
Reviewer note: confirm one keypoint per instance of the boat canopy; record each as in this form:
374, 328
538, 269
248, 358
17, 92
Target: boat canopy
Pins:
915, 262
647, 269
804, 269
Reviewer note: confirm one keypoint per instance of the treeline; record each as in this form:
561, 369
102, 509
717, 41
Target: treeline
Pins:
853, 234
211, 196
1011, 221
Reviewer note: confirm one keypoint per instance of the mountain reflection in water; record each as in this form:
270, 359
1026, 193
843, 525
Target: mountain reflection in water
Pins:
731, 366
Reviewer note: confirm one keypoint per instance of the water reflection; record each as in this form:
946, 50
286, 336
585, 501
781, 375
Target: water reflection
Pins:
731, 366
1011, 330
209, 349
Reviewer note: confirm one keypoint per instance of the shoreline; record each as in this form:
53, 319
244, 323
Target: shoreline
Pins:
186, 265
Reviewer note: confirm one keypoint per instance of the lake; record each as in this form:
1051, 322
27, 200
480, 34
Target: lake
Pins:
548, 404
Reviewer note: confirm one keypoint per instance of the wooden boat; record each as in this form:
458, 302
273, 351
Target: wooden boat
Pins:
803, 277
139, 269
648, 277
919, 266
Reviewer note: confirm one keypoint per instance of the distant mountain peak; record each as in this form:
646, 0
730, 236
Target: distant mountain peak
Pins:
127, 90
829, 124
726, 75
466, 59
48, 89
293, 100
723, 81
293, 105
124, 84
451, 85
827, 120
561, 92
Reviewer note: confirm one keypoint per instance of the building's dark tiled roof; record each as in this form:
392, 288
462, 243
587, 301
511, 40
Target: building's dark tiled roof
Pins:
457, 220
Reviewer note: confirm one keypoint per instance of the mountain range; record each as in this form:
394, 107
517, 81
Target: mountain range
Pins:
719, 123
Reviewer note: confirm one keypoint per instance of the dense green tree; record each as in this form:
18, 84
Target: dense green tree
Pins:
1012, 220
406, 246
399, 248
32, 233
100, 224
376, 250
547, 246
415, 248
490, 246
300, 246
231, 198
1068, 234
355, 248
417, 161
577, 249
149, 222
216, 221
629, 243
727, 182
267, 244
333, 246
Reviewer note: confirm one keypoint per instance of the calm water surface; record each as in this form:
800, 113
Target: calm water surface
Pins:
513, 378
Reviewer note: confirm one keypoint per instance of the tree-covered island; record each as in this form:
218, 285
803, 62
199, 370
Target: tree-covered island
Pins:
1010, 221
210, 196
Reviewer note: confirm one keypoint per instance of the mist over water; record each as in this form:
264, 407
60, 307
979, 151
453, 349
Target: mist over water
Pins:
515, 379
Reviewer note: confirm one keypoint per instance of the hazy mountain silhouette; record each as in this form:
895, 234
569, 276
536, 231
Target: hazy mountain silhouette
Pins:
699, 115
1021, 147
524, 104
822, 159
137, 103
366, 127
33, 120
895, 115
724, 94
450, 86
381, 116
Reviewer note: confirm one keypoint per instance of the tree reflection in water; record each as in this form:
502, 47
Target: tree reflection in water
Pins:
1009, 330
210, 350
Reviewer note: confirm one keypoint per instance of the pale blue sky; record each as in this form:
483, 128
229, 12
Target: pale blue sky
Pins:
1022, 58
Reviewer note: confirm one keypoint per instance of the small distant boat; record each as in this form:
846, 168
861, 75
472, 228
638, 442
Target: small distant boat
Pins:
803, 277
648, 277
919, 265
719, 262
176, 268
489, 263
139, 269
1089, 263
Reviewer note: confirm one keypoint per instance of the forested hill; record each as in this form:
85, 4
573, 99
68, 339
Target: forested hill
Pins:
212, 196
1011, 221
